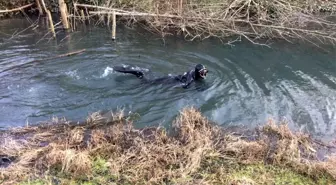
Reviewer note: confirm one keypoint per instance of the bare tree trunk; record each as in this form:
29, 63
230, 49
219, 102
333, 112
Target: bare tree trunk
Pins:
44, 6
39, 7
52, 29
114, 25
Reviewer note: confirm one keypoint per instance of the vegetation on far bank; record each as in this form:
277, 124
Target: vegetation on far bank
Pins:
310, 20
250, 19
111, 151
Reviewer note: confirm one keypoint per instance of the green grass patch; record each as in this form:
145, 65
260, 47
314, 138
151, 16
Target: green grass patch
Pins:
269, 174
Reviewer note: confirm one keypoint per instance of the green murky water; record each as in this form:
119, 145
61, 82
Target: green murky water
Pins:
247, 84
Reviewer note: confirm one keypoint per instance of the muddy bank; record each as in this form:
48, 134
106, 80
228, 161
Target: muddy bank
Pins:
196, 151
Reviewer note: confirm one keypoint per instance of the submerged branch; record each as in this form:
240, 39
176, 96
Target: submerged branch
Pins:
98, 7
64, 55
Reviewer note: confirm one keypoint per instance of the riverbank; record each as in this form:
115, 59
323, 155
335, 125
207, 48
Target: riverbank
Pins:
112, 151
310, 21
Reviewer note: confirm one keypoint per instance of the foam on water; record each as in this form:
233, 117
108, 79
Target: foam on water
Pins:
107, 71
73, 74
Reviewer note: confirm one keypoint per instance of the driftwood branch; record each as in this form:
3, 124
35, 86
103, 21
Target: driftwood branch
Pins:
66, 54
127, 13
99, 7
17, 9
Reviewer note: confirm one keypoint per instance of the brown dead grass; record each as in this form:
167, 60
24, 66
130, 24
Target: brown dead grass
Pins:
328, 166
151, 155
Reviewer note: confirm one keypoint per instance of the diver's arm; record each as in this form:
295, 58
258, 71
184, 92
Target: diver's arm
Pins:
127, 69
189, 80
183, 85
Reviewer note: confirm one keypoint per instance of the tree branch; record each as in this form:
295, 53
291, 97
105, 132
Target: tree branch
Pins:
17, 9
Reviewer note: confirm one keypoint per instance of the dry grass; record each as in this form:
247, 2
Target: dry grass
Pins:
198, 152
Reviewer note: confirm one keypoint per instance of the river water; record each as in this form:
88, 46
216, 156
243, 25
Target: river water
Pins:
247, 84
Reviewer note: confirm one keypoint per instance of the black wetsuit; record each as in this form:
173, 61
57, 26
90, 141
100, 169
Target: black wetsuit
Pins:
185, 80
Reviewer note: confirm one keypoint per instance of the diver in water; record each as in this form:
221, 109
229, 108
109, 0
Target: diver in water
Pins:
198, 73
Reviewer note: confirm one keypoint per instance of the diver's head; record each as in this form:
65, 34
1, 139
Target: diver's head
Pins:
200, 71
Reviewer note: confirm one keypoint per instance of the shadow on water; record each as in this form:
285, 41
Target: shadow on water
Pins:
247, 84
